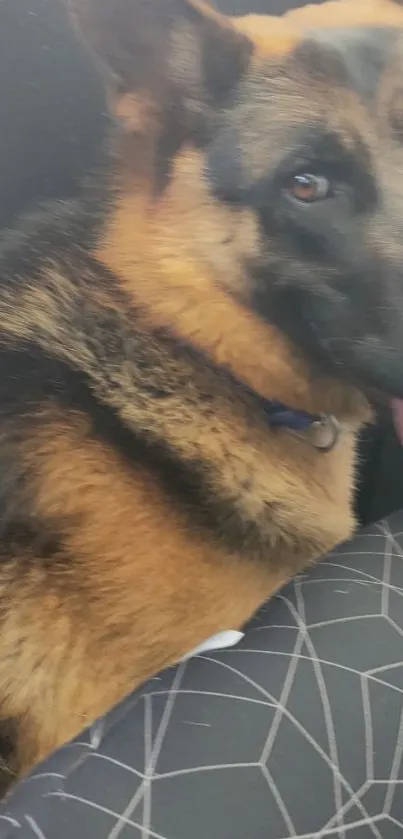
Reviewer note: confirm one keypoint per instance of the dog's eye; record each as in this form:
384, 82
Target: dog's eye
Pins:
308, 188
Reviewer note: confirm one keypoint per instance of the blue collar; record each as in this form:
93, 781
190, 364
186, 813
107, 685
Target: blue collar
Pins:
279, 416
322, 431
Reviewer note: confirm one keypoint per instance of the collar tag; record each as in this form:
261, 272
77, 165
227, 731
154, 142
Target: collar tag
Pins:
323, 433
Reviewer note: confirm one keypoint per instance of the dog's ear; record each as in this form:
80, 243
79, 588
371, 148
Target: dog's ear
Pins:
166, 53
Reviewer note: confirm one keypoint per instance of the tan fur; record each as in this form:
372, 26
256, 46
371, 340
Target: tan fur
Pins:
334, 13
348, 13
142, 590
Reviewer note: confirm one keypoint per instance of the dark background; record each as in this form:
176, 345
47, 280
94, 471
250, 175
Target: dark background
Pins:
50, 100
52, 121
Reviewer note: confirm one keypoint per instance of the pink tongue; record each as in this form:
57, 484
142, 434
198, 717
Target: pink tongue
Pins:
397, 413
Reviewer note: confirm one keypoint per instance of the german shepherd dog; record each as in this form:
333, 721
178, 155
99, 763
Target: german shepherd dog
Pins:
189, 352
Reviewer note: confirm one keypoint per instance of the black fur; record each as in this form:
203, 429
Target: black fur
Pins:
354, 57
33, 381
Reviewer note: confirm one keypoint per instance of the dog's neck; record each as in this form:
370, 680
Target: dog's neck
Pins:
171, 290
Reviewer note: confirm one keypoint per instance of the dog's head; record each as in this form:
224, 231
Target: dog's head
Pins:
271, 155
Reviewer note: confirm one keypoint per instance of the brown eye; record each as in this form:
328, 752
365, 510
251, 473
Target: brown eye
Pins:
309, 188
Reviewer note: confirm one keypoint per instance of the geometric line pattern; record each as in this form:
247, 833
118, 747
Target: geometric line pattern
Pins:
296, 732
